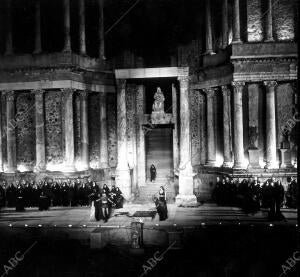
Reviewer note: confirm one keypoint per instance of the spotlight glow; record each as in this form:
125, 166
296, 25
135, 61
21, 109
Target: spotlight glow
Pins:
22, 168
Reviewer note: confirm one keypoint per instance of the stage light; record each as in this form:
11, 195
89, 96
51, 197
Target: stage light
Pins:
40, 225
10, 225
203, 223
271, 225
26, 225
22, 168
70, 225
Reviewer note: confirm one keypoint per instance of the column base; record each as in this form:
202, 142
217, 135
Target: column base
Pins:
123, 181
39, 169
238, 41
271, 165
238, 166
184, 200
11, 170
227, 164
70, 168
270, 40
209, 52
210, 163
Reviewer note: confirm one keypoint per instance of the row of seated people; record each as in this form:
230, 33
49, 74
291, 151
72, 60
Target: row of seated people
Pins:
251, 195
58, 193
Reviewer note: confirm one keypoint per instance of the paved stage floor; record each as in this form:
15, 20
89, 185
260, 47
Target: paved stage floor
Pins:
207, 214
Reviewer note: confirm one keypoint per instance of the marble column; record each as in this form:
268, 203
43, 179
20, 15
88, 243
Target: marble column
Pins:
11, 125
141, 151
270, 124
40, 147
175, 130
123, 180
37, 38
85, 159
186, 182
9, 37
210, 121
1, 135
69, 130
103, 131
208, 36
82, 44
226, 126
224, 24
238, 125
236, 22
67, 33
269, 22
101, 32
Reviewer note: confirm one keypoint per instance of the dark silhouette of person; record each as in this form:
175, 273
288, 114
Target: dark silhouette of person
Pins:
152, 173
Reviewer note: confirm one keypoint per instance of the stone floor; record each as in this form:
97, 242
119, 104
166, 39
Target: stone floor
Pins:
207, 214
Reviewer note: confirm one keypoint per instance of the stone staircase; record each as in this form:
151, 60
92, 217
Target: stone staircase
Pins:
151, 189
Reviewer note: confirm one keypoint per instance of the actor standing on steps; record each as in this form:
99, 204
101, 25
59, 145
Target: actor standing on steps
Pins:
152, 173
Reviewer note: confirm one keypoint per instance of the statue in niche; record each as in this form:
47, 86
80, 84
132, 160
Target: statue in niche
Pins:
253, 136
159, 99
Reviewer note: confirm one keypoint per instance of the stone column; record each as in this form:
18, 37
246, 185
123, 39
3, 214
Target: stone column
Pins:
238, 125
40, 148
103, 131
85, 159
225, 24
82, 45
11, 125
211, 141
209, 42
9, 40
123, 180
186, 182
141, 154
269, 22
270, 124
101, 32
69, 130
175, 130
67, 34
1, 135
226, 126
37, 39
236, 22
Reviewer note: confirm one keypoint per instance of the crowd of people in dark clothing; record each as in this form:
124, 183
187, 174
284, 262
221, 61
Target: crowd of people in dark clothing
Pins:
45, 194
252, 195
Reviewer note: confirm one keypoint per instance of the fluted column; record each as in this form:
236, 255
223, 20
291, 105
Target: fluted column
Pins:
69, 129
37, 38
175, 130
270, 124
211, 137
186, 187
238, 125
11, 125
84, 129
9, 40
101, 31
226, 126
103, 131
1, 135
122, 171
40, 148
224, 24
208, 36
236, 22
82, 45
269, 22
67, 33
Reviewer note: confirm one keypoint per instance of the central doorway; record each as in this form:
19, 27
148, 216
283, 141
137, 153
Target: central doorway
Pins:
159, 151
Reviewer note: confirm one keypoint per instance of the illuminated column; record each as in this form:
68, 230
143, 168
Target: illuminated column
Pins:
186, 183
37, 39
269, 22
39, 131
69, 129
67, 34
211, 143
9, 41
236, 22
270, 124
175, 130
82, 45
11, 125
122, 171
225, 24
226, 126
84, 129
238, 125
101, 32
103, 131
1, 135
209, 43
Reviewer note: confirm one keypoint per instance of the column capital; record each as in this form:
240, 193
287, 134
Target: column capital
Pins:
121, 83
209, 91
83, 94
38, 92
270, 84
102, 94
183, 79
67, 91
238, 84
225, 90
9, 94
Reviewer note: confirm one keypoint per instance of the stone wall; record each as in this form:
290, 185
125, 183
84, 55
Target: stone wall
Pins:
254, 20
112, 129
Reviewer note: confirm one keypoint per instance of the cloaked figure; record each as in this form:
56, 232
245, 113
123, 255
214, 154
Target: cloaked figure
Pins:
152, 173
2, 196
105, 189
20, 199
161, 204
119, 198
11, 195
44, 202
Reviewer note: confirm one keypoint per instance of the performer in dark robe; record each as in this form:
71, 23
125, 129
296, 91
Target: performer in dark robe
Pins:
291, 194
278, 192
20, 199
152, 173
27, 194
105, 189
43, 201
162, 197
36, 191
56, 194
119, 198
64, 195
11, 195
2, 196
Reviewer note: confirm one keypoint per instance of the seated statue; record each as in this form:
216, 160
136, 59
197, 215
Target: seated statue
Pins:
159, 99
